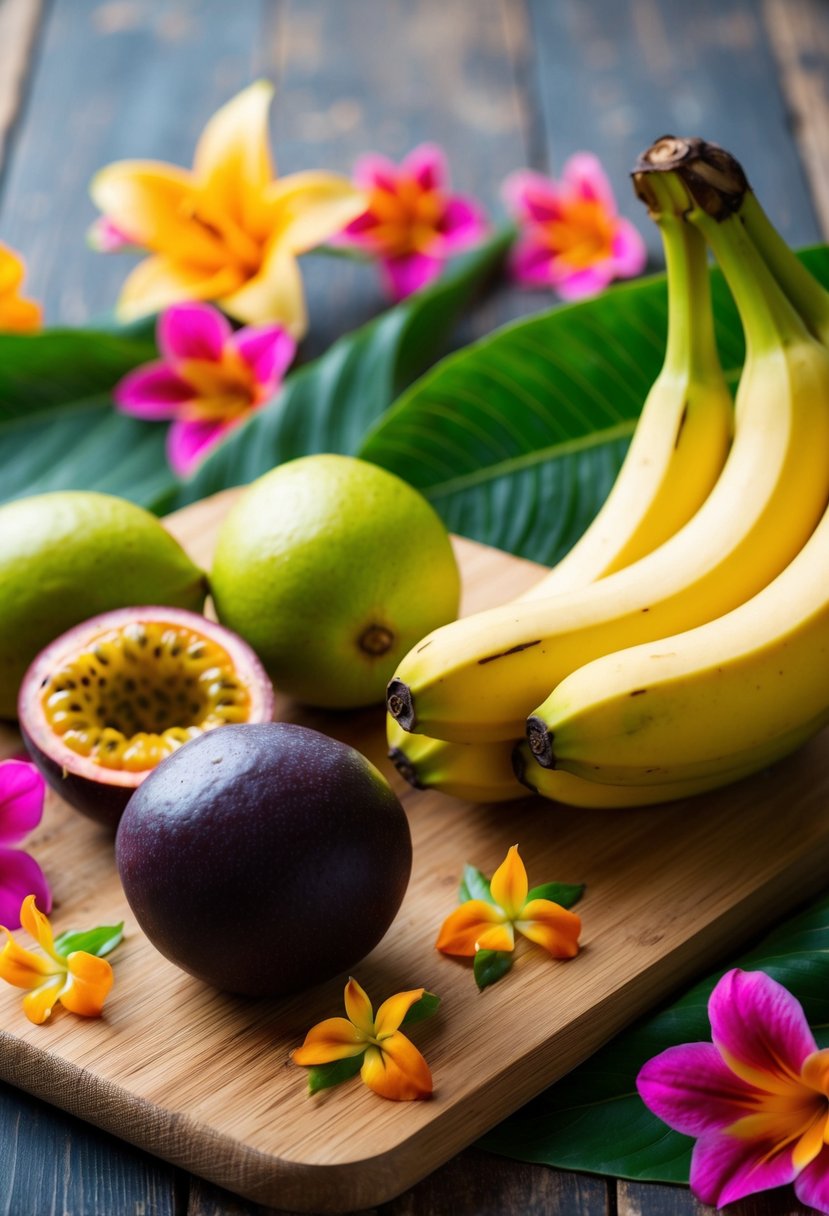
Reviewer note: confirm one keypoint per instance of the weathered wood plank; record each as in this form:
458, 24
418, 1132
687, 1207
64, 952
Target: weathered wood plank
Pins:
611, 78
639, 1199
799, 34
113, 78
384, 76
19, 22
51, 1165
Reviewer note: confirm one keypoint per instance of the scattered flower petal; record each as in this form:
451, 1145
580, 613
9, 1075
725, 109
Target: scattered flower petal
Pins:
571, 237
224, 230
756, 1099
412, 223
208, 380
391, 1064
22, 794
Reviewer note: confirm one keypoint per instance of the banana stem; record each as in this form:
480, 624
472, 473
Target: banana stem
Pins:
691, 348
807, 295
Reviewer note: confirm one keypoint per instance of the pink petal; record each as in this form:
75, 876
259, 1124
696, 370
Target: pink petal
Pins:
268, 351
630, 253
812, 1185
725, 1169
582, 284
584, 176
373, 172
20, 875
461, 225
760, 1024
531, 196
106, 237
189, 442
153, 391
192, 331
692, 1090
427, 165
531, 263
409, 274
22, 790
358, 229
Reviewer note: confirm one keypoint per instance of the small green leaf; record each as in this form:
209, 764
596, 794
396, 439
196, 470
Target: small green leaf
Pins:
323, 1076
422, 1009
564, 893
474, 885
491, 966
99, 941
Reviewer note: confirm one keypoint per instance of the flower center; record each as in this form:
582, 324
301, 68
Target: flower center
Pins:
408, 219
582, 235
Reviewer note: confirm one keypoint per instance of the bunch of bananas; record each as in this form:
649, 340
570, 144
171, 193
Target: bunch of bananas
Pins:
683, 643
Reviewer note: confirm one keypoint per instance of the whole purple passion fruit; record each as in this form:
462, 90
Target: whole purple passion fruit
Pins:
105, 702
264, 858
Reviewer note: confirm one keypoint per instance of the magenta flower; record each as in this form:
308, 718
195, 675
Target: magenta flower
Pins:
412, 223
22, 791
207, 380
756, 1099
571, 237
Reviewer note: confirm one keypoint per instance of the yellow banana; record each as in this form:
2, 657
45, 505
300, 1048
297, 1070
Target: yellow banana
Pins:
476, 772
476, 678
560, 785
681, 438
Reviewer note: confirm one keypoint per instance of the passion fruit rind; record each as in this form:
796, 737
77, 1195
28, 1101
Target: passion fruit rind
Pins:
110, 699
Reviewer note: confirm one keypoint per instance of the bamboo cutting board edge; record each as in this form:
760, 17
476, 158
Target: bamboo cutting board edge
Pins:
647, 933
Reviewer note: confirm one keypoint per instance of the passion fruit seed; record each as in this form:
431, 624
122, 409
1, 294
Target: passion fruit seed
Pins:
137, 693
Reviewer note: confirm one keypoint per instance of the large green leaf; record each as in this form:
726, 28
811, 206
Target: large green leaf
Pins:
58, 428
594, 1120
517, 439
328, 405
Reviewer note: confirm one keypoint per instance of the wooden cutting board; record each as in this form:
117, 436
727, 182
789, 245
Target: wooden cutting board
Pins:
204, 1079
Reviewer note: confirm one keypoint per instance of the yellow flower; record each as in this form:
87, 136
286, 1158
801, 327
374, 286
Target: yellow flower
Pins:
17, 314
391, 1065
224, 230
79, 981
478, 925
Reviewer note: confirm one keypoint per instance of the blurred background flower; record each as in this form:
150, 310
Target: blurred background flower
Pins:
17, 314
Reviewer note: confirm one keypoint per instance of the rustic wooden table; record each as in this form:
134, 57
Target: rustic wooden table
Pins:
501, 84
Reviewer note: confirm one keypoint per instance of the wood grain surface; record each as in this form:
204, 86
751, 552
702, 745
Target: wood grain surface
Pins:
204, 1079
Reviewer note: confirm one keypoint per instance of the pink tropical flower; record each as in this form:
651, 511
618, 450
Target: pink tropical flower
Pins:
756, 1099
104, 236
571, 237
207, 380
412, 223
22, 792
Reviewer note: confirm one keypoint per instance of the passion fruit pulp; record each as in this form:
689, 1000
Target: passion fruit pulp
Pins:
106, 702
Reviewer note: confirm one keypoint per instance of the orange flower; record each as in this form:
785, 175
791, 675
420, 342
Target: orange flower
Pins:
479, 925
224, 230
16, 314
388, 1063
78, 980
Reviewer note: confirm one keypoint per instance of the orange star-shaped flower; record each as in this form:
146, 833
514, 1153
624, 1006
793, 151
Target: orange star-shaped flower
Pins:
478, 925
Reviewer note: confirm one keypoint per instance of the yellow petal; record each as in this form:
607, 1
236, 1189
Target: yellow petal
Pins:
90, 980
551, 926
815, 1071
391, 1013
22, 967
460, 931
509, 884
811, 1142
11, 270
497, 937
397, 1070
20, 316
158, 282
272, 296
309, 208
358, 1007
233, 163
38, 1005
333, 1039
153, 204
36, 924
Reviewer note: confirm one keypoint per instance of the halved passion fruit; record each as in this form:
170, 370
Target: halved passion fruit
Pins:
107, 701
